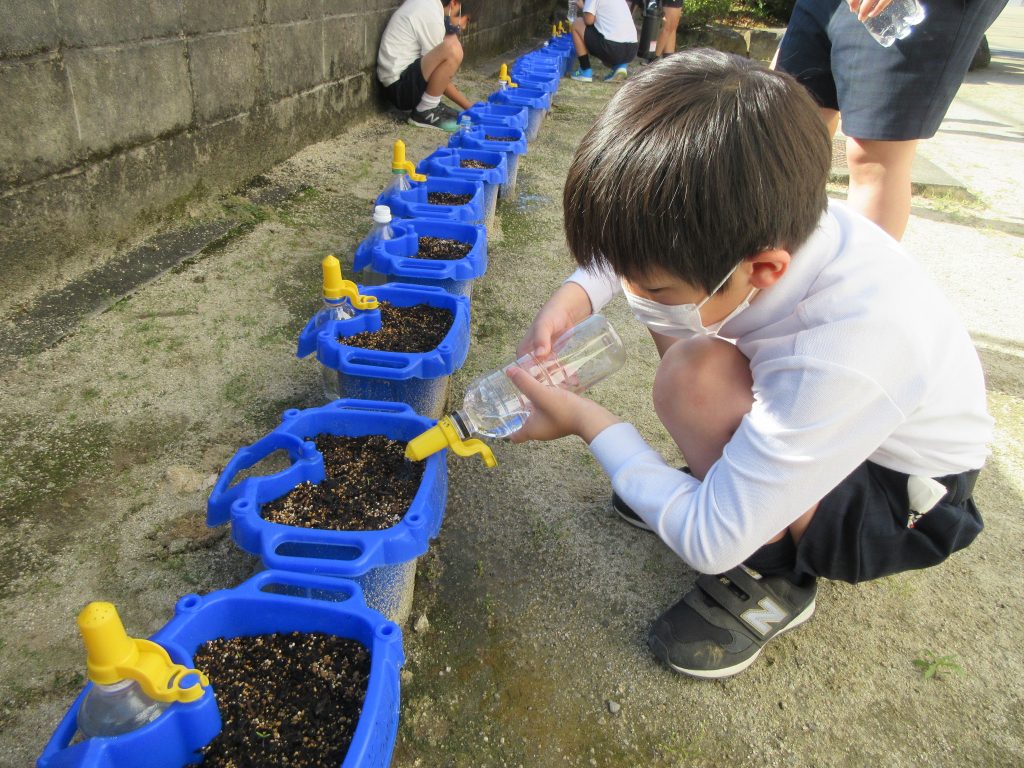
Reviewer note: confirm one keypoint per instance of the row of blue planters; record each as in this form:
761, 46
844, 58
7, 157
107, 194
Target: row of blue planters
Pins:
348, 583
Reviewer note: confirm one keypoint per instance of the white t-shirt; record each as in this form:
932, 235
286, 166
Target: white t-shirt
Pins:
856, 355
612, 19
416, 28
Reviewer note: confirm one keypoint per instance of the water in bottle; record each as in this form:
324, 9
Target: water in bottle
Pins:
896, 22
571, 12
110, 710
494, 406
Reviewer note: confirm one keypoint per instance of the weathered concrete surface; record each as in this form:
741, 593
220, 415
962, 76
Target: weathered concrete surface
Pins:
538, 598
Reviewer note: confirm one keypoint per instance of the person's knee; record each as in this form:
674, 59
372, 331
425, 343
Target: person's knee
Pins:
579, 26
699, 373
453, 49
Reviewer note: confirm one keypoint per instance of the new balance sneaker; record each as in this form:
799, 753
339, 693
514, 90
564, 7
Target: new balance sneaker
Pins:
433, 118
620, 72
583, 75
721, 625
452, 113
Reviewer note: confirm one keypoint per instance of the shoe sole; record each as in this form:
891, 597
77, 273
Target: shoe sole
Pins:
410, 121
634, 521
735, 669
582, 79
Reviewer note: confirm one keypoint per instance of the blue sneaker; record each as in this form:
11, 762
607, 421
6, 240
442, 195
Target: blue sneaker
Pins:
583, 75
620, 72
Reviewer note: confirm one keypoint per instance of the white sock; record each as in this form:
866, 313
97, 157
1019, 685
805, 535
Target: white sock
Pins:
428, 102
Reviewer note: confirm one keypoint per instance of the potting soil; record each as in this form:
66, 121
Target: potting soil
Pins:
501, 138
369, 486
442, 248
419, 328
284, 699
475, 164
447, 198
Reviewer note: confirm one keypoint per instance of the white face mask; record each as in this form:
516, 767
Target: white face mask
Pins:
681, 320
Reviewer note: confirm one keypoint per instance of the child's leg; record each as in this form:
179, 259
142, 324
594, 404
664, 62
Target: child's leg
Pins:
667, 38
440, 64
579, 29
880, 181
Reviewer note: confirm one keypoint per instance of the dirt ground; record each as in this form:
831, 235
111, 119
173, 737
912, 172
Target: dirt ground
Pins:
533, 605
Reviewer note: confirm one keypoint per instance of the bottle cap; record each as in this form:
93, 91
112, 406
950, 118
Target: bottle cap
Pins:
504, 77
335, 288
381, 214
400, 165
445, 435
112, 656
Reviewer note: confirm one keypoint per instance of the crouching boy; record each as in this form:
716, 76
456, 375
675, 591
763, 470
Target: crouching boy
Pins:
419, 55
827, 399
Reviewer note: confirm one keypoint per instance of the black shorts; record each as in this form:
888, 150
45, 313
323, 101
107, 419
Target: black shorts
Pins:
671, 3
890, 94
408, 89
863, 529
611, 53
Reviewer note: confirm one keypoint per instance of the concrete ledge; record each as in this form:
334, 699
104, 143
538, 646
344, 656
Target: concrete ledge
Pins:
753, 43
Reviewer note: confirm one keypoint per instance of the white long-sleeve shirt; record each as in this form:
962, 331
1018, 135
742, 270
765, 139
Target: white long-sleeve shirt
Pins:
416, 28
856, 355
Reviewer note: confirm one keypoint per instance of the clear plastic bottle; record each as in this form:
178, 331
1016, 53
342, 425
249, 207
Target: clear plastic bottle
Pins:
110, 710
494, 406
896, 22
465, 124
571, 12
381, 224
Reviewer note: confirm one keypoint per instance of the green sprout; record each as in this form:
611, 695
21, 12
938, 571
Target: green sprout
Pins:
932, 665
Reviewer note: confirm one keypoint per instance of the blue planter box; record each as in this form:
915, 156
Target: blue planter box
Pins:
412, 203
446, 162
538, 78
537, 101
382, 563
396, 258
267, 603
419, 379
476, 138
505, 115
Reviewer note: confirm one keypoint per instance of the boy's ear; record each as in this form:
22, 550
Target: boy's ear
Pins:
766, 267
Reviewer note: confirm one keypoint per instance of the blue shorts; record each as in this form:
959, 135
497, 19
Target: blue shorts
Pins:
890, 94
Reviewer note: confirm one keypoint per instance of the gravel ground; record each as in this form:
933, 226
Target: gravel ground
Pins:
526, 645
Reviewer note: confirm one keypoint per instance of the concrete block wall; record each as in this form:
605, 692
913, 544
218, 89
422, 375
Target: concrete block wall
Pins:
116, 110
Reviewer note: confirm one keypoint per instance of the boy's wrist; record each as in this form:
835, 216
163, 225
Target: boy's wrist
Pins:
592, 420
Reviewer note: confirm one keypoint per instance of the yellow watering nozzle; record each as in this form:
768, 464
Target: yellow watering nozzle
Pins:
336, 288
112, 656
445, 435
504, 77
400, 165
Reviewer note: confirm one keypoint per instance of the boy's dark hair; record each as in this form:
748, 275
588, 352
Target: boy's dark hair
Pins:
698, 162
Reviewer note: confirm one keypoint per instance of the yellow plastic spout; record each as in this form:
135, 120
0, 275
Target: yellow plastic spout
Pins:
445, 435
335, 288
112, 656
400, 165
504, 77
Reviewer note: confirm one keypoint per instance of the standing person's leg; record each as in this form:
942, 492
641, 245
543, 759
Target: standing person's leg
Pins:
880, 181
669, 25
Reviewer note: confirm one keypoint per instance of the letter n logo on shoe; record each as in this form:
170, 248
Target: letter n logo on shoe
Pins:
764, 616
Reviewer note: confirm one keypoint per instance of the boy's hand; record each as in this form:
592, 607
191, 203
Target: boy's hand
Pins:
866, 8
557, 412
568, 306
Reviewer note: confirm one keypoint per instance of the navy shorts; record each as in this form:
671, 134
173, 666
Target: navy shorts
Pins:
891, 94
611, 53
864, 529
408, 89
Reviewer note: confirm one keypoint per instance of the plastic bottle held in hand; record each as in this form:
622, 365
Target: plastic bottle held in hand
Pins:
571, 12
133, 680
896, 22
494, 406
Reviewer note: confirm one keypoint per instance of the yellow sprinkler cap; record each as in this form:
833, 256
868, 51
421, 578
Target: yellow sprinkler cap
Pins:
400, 165
504, 77
336, 288
112, 656
445, 435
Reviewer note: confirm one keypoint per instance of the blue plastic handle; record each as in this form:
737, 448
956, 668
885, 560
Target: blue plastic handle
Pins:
367, 546
255, 584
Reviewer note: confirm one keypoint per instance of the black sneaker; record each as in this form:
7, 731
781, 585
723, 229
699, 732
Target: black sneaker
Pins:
627, 514
433, 118
452, 113
721, 625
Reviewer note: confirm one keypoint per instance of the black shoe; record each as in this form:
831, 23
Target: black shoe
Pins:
627, 514
721, 625
452, 113
433, 118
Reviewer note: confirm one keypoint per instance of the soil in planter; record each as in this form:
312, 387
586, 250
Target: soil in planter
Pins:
476, 164
285, 699
500, 138
369, 486
419, 328
442, 248
447, 198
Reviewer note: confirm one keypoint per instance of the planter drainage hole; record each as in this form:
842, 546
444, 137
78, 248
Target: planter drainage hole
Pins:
318, 551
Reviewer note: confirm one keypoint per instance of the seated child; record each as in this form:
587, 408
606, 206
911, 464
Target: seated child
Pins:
419, 55
606, 29
826, 397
